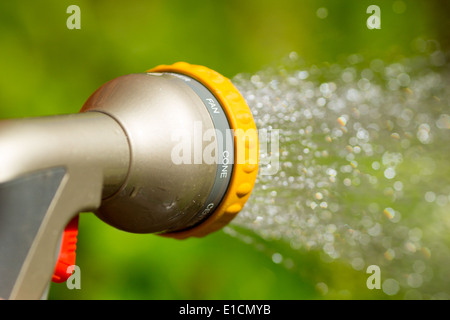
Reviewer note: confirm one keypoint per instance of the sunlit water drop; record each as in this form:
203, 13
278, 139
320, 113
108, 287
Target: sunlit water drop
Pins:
364, 154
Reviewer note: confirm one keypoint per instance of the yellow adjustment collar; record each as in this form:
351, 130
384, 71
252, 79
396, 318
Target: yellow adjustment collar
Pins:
246, 147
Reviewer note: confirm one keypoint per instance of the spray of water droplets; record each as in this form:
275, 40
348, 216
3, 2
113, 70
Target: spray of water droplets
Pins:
364, 173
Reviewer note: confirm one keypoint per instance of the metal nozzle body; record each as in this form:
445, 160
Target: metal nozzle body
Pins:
126, 133
158, 194
113, 158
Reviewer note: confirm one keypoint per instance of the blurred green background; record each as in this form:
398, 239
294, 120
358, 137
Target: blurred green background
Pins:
48, 69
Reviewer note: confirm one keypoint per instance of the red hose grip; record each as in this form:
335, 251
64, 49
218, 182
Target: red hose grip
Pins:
67, 254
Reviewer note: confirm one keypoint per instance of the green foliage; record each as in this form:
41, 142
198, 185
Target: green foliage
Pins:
49, 69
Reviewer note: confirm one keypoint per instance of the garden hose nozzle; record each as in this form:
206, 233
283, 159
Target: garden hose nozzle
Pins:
172, 151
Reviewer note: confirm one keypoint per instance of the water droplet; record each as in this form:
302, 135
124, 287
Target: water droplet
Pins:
389, 254
318, 196
389, 213
419, 266
390, 287
430, 196
342, 120
375, 165
277, 258
389, 173
322, 288
322, 13
414, 280
358, 264
398, 185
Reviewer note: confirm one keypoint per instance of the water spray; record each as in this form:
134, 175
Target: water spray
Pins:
358, 153
363, 175
120, 158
